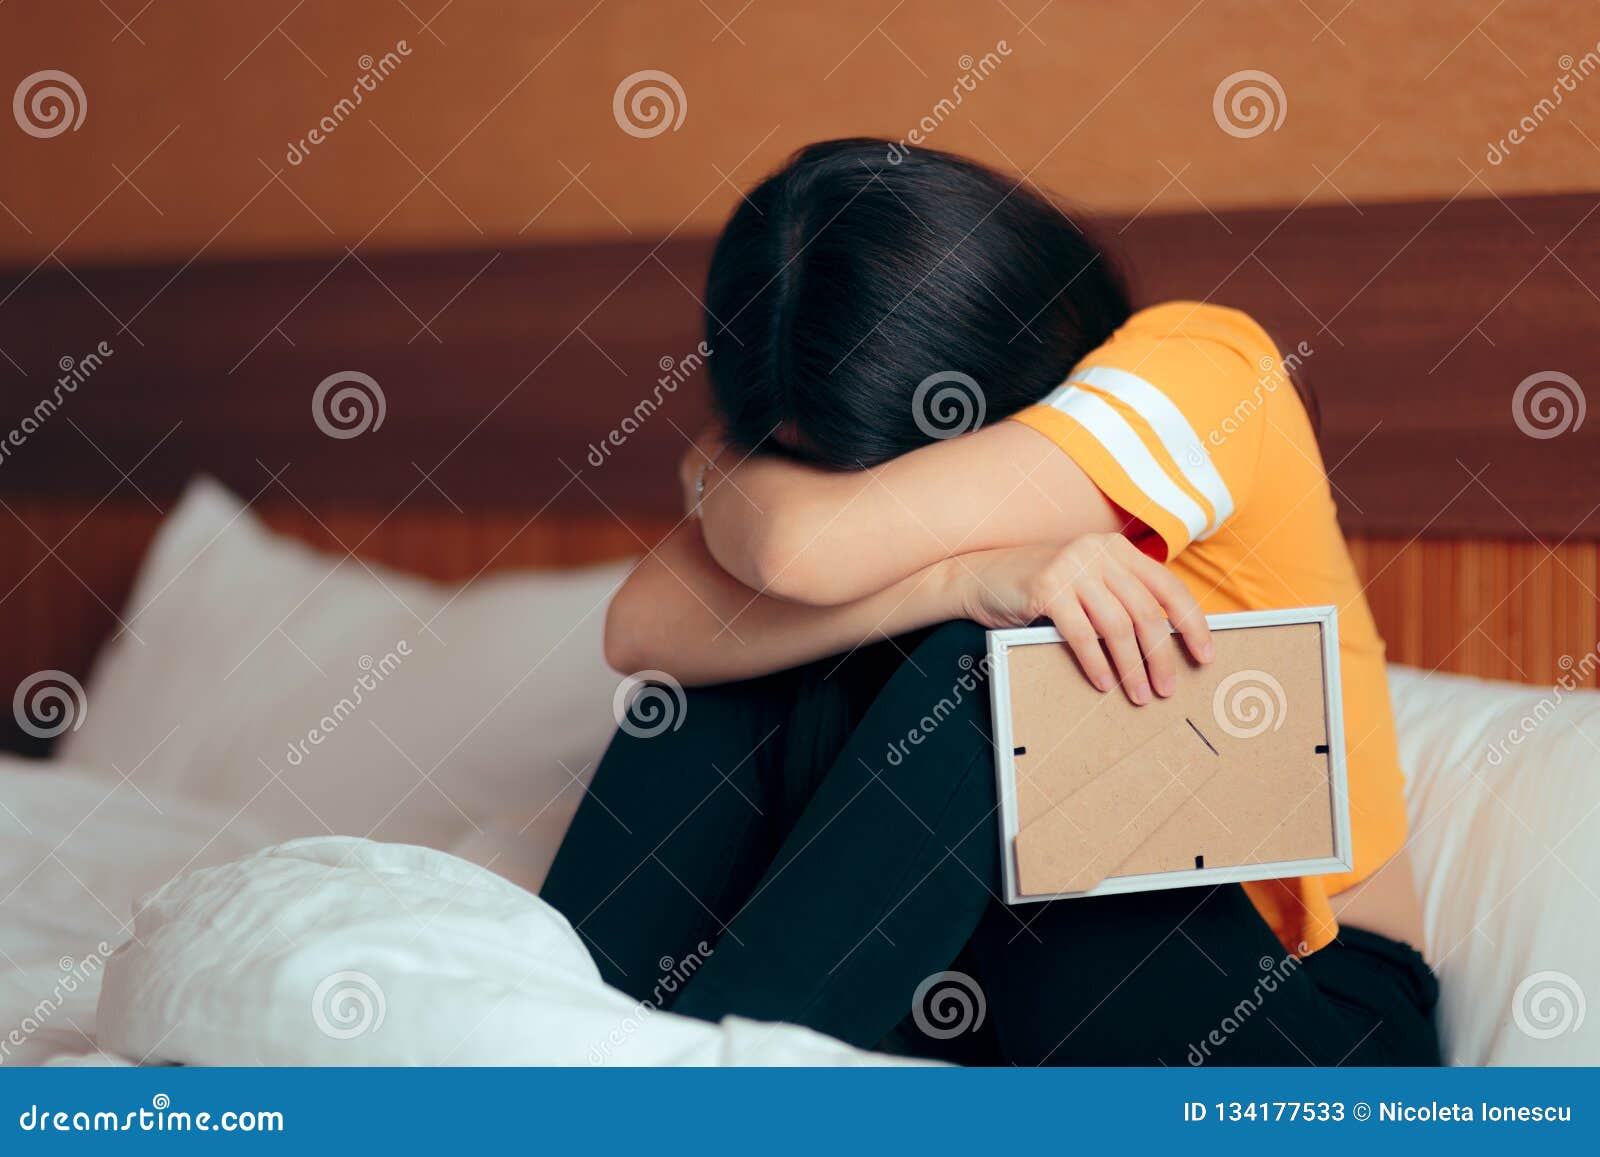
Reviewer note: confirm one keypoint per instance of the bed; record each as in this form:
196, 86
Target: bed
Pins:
453, 528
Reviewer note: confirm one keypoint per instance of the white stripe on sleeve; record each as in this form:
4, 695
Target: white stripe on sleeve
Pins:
1123, 443
1172, 428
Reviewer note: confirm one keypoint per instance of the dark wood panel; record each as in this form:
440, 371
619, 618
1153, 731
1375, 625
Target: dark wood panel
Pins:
497, 373
500, 371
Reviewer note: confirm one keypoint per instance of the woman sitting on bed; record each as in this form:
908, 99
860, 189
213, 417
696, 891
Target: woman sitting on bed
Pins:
816, 828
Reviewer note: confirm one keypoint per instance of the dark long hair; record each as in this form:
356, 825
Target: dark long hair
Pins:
863, 301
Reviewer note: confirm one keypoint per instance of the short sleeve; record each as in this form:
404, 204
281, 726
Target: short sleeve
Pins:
1168, 417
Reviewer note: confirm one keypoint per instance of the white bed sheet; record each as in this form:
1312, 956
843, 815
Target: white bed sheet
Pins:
343, 951
474, 969
76, 849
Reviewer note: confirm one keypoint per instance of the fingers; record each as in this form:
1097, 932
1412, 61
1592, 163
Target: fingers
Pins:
1152, 629
1115, 625
1080, 635
1179, 605
1110, 591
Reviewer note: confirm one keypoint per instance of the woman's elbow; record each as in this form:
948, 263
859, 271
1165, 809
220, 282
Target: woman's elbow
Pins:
625, 641
788, 561
635, 640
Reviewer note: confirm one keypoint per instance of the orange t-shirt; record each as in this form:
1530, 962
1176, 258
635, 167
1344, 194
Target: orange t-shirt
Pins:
1187, 420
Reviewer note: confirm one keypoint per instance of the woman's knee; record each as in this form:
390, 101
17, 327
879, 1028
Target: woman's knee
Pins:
670, 740
653, 705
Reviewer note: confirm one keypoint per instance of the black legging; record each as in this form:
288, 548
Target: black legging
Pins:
829, 834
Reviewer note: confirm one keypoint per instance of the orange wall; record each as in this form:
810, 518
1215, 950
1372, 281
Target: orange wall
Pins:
509, 107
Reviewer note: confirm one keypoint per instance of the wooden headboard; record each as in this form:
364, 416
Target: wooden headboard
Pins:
504, 375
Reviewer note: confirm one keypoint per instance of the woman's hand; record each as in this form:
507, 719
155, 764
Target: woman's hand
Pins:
1100, 586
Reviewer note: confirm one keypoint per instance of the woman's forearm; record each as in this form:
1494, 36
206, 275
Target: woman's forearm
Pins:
824, 537
681, 613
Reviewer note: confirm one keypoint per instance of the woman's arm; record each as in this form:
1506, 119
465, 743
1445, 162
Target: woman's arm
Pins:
682, 613
822, 537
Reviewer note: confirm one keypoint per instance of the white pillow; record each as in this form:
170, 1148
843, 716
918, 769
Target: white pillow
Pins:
347, 952
322, 695
1504, 803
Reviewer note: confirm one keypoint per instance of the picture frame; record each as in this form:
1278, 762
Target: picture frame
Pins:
1246, 637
